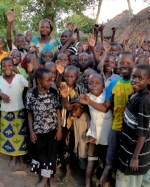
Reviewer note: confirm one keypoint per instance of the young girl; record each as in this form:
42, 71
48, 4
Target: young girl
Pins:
100, 124
45, 126
13, 127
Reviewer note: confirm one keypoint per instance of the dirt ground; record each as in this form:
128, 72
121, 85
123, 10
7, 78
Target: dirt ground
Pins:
24, 178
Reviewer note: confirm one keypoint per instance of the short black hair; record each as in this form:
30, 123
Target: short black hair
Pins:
19, 35
128, 53
144, 67
68, 32
72, 68
7, 59
38, 74
2, 39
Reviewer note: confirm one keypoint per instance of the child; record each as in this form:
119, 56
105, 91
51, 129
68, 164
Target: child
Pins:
47, 56
66, 45
85, 78
134, 157
139, 52
13, 128
140, 60
19, 38
114, 49
2, 53
73, 60
100, 124
45, 126
132, 48
84, 61
52, 68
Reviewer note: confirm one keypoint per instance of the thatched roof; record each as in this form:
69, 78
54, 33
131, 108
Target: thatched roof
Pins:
139, 23
120, 21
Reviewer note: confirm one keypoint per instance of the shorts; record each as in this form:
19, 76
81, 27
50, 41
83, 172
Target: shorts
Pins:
113, 147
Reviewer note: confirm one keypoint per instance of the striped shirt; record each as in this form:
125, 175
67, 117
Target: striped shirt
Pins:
136, 124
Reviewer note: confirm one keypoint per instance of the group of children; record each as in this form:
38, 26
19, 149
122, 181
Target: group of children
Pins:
88, 100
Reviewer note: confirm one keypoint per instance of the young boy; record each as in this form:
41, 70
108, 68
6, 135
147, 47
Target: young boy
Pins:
118, 91
134, 158
46, 56
2, 53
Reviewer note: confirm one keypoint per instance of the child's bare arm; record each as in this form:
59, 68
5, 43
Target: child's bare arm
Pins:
33, 136
59, 131
140, 39
96, 26
134, 161
106, 47
78, 33
113, 34
126, 42
67, 44
100, 29
10, 19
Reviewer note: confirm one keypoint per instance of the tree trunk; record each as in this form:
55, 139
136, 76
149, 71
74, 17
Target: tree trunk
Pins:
130, 10
99, 10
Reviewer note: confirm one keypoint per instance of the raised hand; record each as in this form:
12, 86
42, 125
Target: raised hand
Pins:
70, 26
10, 16
101, 28
30, 67
145, 46
76, 30
106, 45
60, 67
91, 40
114, 29
84, 99
64, 91
95, 26
128, 36
85, 46
140, 37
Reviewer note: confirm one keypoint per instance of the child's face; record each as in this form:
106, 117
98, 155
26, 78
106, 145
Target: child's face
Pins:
1, 44
32, 59
139, 79
95, 85
77, 111
79, 50
64, 37
47, 56
7, 67
114, 50
20, 42
83, 61
73, 60
147, 54
44, 28
15, 55
139, 60
109, 64
125, 64
85, 77
46, 81
54, 73
28, 36
132, 48
64, 60
139, 52
70, 77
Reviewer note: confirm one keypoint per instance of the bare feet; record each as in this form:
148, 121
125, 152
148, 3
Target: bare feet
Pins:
67, 177
52, 182
22, 163
43, 183
13, 162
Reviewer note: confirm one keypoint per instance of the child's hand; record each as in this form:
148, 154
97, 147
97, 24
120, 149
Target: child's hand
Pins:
58, 135
5, 97
15, 70
59, 67
84, 99
37, 52
114, 29
91, 40
145, 46
95, 26
76, 30
85, 46
70, 26
134, 163
67, 138
33, 137
32, 49
140, 37
10, 16
91, 140
101, 28
128, 36
64, 92
106, 45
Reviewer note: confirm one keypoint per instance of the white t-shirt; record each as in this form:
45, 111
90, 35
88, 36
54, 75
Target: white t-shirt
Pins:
14, 90
101, 122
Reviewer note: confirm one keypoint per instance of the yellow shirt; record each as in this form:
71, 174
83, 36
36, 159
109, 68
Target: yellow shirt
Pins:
4, 54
